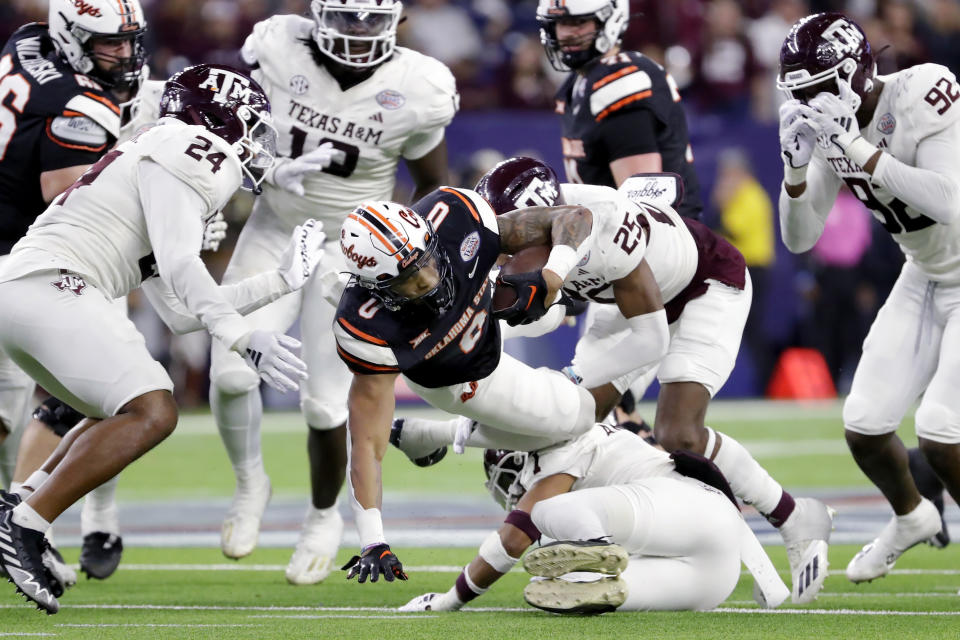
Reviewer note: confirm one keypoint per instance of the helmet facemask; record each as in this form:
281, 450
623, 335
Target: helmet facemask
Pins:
257, 148
122, 73
397, 291
611, 22
502, 469
356, 34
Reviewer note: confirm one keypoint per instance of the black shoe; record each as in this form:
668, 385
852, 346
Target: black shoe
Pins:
428, 460
100, 554
7, 501
21, 554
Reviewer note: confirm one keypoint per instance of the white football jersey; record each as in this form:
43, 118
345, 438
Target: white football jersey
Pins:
97, 229
624, 233
914, 103
601, 457
146, 111
400, 111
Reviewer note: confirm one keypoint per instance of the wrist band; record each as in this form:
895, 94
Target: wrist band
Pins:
792, 176
860, 151
563, 258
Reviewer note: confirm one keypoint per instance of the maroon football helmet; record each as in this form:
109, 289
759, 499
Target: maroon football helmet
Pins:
520, 182
821, 52
230, 104
502, 468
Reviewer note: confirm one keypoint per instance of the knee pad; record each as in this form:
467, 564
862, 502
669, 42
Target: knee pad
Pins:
938, 422
865, 416
57, 416
323, 416
235, 381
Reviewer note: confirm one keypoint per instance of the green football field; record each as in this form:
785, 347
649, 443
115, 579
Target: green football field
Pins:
177, 592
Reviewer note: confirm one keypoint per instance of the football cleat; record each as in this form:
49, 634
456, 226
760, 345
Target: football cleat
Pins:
806, 535
581, 598
241, 527
21, 555
417, 455
61, 575
431, 602
316, 552
931, 488
566, 556
100, 554
902, 532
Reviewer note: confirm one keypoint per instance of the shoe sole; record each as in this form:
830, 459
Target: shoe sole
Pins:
577, 598
808, 581
26, 586
557, 558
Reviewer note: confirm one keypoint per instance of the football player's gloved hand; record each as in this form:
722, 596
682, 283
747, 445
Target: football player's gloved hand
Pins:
373, 561
214, 231
433, 602
572, 373
531, 298
302, 254
288, 173
572, 306
797, 134
271, 355
836, 121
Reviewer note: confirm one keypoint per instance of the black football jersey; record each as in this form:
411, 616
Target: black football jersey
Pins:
620, 106
461, 345
51, 117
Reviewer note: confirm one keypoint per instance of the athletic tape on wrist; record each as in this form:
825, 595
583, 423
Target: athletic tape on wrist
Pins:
370, 527
860, 151
562, 259
495, 555
521, 520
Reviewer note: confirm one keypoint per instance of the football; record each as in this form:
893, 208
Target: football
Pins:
523, 261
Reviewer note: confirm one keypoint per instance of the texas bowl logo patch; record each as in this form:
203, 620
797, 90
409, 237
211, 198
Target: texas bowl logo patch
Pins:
70, 282
470, 246
887, 124
585, 260
299, 85
390, 99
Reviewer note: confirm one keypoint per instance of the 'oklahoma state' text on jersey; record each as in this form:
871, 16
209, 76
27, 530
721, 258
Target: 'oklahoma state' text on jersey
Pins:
462, 344
619, 106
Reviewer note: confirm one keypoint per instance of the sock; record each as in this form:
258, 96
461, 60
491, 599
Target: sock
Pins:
25, 516
749, 481
238, 420
100, 510
33, 482
15, 487
464, 589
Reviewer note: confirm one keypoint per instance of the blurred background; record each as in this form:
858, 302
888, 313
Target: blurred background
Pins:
722, 53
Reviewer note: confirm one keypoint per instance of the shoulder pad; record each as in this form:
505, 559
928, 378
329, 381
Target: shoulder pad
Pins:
180, 150
271, 37
478, 207
98, 108
926, 94
620, 81
78, 132
434, 87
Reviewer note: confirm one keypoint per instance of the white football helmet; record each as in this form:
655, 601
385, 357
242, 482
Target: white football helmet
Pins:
74, 24
356, 33
611, 16
386, 243
502, 468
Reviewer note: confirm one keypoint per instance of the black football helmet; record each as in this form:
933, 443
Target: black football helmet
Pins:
229, 104
520, 182
821, 52
503, 468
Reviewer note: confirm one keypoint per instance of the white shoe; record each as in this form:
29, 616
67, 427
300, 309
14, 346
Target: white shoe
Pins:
902, 532
241, 527
806, 534
316, 552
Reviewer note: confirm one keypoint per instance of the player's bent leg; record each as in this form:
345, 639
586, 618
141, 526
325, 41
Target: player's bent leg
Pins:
931, 488
102, 546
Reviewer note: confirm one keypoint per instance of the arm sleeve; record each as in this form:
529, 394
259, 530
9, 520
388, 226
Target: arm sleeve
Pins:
245, 296
173, 211
642, 138
802, 219
933, 186
645, 344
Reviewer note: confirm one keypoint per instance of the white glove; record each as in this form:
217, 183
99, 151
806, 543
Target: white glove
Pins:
302, 254
797, 134
270, 355
835, 120
433, 602
214, 231
465, 428
288, 173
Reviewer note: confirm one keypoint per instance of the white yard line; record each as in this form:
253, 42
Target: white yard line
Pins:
839, 612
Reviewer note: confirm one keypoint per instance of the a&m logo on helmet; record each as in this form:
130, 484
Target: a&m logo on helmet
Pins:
538, 193
228, 86
844, 37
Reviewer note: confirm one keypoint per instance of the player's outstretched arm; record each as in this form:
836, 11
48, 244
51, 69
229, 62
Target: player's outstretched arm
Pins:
370, 404
498, 553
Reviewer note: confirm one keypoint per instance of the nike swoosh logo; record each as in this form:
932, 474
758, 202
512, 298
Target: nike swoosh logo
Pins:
533, 293
474, 270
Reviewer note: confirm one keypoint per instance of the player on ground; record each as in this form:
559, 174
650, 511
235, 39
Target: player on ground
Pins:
611, 494
62, 83
672, 297
420, 305
137, 217
348, 105
620, 110
892, 140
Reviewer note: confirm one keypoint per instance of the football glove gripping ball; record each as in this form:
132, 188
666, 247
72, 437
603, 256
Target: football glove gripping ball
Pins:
531, 298
373, 562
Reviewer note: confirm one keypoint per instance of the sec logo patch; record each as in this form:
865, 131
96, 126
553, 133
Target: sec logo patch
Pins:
299, 85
